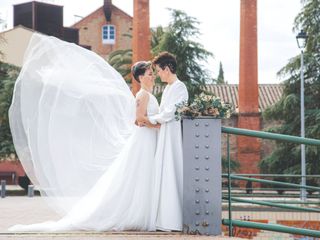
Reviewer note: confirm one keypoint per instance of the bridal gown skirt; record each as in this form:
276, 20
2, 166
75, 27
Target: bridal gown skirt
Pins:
122, 199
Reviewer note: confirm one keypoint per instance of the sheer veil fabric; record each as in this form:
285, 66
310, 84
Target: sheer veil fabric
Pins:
71, 117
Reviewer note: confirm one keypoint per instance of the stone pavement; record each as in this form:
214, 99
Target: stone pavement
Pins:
118, 236
15, 210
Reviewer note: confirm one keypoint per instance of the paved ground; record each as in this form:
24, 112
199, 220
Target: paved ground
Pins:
15, 210
22, 209
118, 236
108, 236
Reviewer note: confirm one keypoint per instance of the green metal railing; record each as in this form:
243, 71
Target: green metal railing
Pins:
272, 191
273, 204
272, 136
271, 227
274, 182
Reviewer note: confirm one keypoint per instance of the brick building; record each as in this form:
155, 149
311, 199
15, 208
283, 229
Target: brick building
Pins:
106, 29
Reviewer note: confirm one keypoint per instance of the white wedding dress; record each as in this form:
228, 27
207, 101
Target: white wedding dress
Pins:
72, 121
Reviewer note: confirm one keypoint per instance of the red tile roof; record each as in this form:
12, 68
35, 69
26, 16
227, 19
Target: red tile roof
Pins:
269, 94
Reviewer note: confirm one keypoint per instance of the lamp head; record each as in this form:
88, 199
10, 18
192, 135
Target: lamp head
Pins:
302, 38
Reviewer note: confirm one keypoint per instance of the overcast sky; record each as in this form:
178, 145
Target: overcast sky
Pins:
219, 27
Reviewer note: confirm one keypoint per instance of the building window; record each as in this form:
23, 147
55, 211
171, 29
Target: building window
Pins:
108, 34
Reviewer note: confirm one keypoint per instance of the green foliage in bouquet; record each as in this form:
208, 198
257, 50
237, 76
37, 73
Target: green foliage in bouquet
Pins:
204, 105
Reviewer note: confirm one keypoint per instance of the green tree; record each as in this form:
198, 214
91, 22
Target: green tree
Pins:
286, 157
180, 38
8, 75
121, 60
156, 36
220, 78
2, 41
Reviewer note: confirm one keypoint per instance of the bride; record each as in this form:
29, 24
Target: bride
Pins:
72, 119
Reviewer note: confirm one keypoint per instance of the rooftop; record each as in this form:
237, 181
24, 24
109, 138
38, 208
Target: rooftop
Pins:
269, 94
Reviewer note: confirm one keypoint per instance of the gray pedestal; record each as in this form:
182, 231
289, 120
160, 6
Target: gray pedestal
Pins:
202, 176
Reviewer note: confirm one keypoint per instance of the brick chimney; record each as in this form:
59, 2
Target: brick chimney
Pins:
141, 39
249, 116
107, 4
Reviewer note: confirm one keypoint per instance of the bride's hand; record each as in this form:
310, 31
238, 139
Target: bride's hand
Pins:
139, 123
147, 124
150, 125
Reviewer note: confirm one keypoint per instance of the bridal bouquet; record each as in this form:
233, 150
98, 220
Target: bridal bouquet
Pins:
204, 105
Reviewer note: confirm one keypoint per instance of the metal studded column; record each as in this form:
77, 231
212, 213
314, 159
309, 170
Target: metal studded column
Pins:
202, 176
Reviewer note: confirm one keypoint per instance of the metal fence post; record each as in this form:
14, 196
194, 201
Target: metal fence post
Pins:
30, 190
229, 186
3, 188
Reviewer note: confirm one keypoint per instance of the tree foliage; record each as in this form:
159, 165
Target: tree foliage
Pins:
2, 41
181, 39
287, 156
220, 78
8, 75
121, 60
156, 36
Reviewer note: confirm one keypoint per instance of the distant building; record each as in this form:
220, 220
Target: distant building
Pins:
33, 17
44, 18
106, 29
14, 43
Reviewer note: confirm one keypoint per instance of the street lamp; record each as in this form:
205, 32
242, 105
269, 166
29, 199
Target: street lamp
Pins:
302, 38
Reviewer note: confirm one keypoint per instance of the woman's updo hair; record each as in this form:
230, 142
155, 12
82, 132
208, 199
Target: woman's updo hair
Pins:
139, 68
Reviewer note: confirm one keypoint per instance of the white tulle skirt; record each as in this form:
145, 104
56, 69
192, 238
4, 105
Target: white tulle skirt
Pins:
70, 116
122, 199
72, 121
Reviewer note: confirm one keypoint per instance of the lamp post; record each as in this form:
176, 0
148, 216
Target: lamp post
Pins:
302, 38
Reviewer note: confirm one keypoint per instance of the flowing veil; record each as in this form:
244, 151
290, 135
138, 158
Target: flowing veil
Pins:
70, 116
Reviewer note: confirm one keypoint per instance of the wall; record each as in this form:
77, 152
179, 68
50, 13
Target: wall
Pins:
90, 31
15, 43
